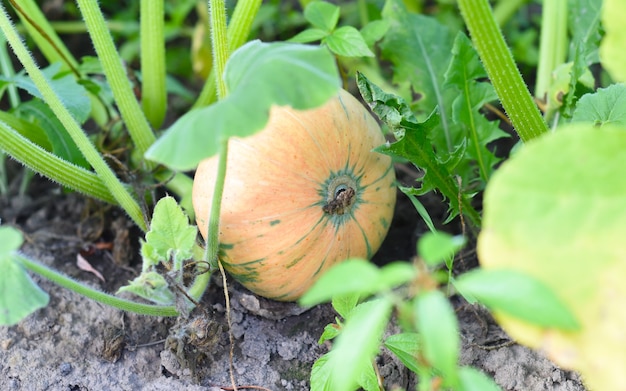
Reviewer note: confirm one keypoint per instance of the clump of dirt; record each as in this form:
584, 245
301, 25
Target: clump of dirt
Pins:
77, 344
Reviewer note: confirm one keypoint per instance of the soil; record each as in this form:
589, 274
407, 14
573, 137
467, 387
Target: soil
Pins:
77, 344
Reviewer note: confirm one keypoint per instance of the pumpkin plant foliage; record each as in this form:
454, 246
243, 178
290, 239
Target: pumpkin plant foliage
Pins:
258, 76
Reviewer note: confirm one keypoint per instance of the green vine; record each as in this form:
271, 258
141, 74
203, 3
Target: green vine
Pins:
108, 177
501, 69
153, 92
116, 76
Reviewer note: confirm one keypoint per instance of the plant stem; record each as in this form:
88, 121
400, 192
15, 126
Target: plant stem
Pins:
7, 70
503, 10
153, 93
117, 77
91, 293
213, 245
44, 35
52, 166
237, 34
553, 43
117, 189
501, 69
219, 41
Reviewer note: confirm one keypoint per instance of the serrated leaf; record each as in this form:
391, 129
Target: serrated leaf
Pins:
614, 40
358, 343
62, 144
439, 331
406, 347
605, 106
152, 286
258, 75
309, 35
322, 15
170, 238
471, 126
348, 42
436, 247
420, 49
72, 94
414, 145
519, 295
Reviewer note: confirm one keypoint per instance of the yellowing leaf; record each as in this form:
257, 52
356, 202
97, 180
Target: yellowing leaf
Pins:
556, 211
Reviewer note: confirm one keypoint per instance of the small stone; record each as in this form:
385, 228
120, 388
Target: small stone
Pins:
65, 368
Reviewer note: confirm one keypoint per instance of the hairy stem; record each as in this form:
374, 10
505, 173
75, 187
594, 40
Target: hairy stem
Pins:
501, 69
117, 77
115, 186
237, 33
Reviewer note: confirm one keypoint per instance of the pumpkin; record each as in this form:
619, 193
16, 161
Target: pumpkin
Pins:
304, 193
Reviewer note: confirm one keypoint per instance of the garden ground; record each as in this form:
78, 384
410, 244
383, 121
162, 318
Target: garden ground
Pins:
77, 344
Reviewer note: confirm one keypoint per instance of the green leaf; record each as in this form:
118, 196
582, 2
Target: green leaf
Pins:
72, 94
612, 47
437, 326
258, 75
358, 278
436, 247
170, 238
320, 373
343, 304
413, 144
406, 347
309, 35
520, 295
19, 295
152, 286
471, 379
322, 15
420, 49
10, 240
348, 42
605, 106
330, 331
62, 144
358, 344
470, 125
374, 31
584, 25
555, 211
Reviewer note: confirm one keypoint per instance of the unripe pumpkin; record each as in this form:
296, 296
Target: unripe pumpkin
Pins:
304, 193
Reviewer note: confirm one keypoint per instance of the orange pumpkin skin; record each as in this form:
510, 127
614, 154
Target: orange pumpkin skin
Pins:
301, 195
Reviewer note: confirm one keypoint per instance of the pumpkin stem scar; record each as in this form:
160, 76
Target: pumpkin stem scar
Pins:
340, 204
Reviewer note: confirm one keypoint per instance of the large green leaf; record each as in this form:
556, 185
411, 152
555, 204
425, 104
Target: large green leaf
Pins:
555, 211
258, 75
19, 295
